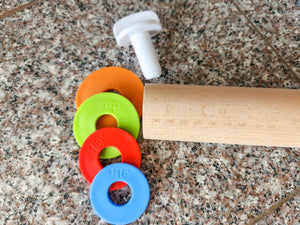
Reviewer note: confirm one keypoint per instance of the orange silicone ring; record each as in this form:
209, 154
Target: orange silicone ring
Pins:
113, 78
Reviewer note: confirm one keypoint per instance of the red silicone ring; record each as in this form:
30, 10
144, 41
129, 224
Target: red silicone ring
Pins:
110, 136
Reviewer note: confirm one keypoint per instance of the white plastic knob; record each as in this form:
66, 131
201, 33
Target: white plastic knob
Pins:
137, 30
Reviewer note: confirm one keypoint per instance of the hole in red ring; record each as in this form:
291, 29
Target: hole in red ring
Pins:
106, 121
106, 162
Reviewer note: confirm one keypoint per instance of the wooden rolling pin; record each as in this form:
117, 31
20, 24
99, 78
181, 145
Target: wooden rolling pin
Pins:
232, 115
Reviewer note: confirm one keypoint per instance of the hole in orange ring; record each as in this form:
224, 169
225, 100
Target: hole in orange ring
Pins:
114, 91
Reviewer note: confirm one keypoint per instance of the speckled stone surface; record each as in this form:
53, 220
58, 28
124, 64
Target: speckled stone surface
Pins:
279, 22
12, 4
47, 51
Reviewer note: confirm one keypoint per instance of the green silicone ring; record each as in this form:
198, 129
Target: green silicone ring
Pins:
102, 104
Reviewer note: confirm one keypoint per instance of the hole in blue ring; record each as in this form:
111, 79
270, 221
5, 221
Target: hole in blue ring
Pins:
120, 196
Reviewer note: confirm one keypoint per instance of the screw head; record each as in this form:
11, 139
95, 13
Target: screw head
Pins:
146, 21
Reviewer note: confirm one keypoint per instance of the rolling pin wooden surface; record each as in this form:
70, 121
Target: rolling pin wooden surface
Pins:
231, 115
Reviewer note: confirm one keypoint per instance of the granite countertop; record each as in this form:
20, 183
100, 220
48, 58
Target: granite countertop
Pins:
48, 49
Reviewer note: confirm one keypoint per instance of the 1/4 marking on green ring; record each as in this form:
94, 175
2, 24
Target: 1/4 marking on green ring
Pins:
110, 107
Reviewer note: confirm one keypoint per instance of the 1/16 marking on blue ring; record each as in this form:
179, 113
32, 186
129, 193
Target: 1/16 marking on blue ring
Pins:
119, 173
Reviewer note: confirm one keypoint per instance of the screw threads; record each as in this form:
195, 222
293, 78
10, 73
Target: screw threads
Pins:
146, 55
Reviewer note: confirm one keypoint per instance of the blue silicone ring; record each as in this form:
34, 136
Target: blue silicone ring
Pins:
137, 204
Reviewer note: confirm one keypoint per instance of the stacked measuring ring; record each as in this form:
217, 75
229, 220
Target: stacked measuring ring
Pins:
94, 101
